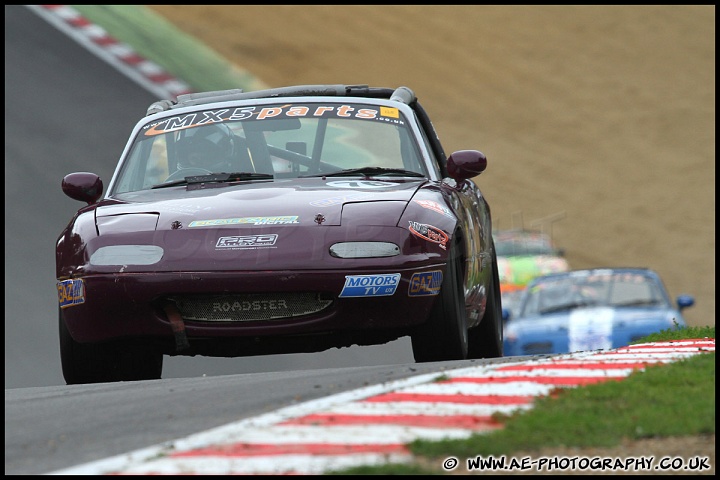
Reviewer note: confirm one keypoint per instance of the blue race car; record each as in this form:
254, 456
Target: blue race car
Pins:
592, 309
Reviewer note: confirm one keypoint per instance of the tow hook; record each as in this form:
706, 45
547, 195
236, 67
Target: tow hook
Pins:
178, 327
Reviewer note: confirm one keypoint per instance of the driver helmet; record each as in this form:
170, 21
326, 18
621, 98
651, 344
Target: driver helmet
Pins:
209, 147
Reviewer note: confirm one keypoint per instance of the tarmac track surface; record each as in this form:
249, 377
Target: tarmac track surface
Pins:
373, 425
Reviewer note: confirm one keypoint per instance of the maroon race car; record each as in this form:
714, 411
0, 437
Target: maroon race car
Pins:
287, 220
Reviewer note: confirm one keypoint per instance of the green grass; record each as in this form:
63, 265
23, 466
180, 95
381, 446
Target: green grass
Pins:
180, 54
676, 399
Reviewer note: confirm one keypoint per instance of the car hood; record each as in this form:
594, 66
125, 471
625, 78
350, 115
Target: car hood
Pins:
306, 201
519, 270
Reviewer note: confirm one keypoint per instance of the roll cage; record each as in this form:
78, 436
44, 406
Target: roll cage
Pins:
401, 94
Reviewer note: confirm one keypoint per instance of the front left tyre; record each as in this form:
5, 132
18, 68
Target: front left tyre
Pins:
445, 336
486, 340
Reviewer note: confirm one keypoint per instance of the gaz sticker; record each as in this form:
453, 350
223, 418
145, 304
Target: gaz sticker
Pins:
425, 283
71, 292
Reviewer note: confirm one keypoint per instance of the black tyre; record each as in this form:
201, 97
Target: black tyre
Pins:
486, 339
444, 336
106, 362
139, 362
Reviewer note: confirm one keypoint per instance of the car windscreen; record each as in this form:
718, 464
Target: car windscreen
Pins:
616, 290
285, 140
523, 244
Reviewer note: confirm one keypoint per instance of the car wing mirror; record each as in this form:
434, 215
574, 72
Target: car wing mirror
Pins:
465, 164
83, 186
685, 301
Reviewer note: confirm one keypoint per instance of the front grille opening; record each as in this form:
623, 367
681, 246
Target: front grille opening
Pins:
250, 307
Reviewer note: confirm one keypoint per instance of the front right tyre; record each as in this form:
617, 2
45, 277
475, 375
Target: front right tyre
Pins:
105, 362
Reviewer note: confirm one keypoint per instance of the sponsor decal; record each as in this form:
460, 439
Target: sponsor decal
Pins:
246, 242
361, 184
256, 113
71, 292
327, 202
429, 233
436, 207
282, 220
425, 283
389, 112
370, 285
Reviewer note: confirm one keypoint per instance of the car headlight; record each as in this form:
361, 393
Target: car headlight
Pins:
127, 255
364, 249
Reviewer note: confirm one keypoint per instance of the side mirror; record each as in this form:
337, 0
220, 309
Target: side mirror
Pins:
465, 164
506, 314
685, 301
83, 186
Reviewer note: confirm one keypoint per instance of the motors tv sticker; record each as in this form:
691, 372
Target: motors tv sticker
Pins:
425, 283
71, 292
370, 285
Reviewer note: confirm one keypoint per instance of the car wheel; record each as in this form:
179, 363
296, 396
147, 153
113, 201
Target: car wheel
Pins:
139, 362
444, 336
106, 362
486, 340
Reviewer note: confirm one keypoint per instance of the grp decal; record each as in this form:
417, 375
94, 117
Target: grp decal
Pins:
429, 233
381, 285
281, 220
255, 113
71, 292
425, 283
247, 242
